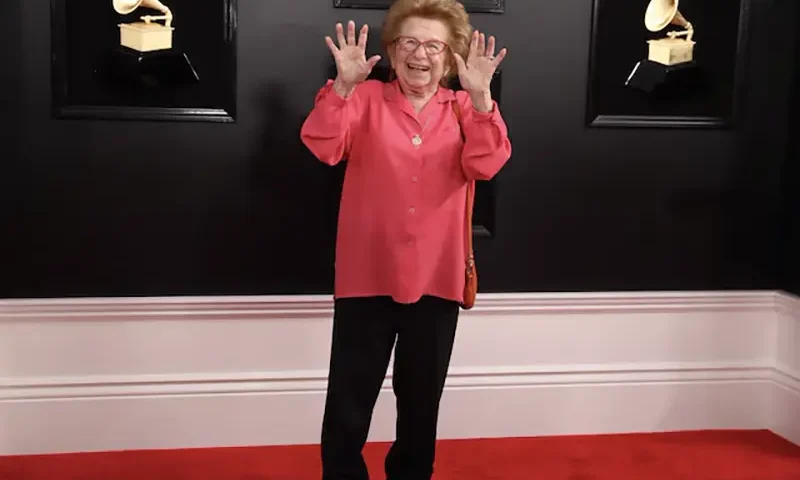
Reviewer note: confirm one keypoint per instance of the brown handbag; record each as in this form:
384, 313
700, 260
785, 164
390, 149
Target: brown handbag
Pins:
470, 270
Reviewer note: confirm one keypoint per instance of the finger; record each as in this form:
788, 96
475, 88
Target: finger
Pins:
473, 45
362, 37
340, 35
373, 61
490, 47
499, 58
331, 46
460, 64
351, 33
481, 45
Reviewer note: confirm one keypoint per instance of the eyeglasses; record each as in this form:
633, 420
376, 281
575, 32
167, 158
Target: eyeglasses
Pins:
410, 44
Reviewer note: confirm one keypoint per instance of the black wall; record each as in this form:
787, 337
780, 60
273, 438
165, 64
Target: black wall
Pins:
11, 163
790, 236
113, 208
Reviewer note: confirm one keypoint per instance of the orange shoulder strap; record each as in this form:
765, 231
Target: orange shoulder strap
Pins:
470, 191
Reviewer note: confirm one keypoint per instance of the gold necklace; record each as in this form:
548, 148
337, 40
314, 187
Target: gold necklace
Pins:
416, 140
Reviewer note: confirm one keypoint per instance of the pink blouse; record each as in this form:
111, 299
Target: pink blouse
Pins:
401, 228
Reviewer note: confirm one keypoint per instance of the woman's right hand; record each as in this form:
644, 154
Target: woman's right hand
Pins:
352, 66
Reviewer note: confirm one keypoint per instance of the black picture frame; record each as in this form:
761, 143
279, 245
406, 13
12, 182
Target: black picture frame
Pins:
84, 34
618, 36
472, 6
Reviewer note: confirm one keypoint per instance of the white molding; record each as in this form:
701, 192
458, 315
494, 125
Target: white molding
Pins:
787, 378
190, 412
118, 373
786, 396
792, 303
293, 382
788, 303
786, 403
320, 306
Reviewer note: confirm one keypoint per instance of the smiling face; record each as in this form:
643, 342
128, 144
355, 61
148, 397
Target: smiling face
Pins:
419, 54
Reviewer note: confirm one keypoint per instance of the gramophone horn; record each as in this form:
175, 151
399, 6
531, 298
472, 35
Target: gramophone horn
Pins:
124, 7
661, 13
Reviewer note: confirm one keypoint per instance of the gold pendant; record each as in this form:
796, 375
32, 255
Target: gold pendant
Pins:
416, 140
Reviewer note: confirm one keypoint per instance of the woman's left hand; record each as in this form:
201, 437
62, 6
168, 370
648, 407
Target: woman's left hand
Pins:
475, 74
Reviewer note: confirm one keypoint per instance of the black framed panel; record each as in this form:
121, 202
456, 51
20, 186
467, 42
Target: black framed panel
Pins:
472, 6
95, 77
627, 90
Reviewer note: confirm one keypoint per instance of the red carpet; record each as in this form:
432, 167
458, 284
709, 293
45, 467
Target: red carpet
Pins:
729, 455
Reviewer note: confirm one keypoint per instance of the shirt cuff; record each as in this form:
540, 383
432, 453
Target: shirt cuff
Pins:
491, 115
329, 96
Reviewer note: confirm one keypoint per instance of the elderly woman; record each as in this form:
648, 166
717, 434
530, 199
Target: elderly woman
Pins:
412, 146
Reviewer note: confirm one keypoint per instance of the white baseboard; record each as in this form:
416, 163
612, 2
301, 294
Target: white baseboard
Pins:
786, 400
141, 373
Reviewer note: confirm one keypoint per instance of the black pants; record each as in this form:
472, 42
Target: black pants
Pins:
364, 332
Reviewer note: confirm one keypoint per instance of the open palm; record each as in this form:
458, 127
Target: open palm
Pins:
475, 73
352, 66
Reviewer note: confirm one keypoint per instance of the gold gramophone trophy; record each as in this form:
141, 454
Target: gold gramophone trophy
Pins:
145, 36
146, 56
669, 50
670, 59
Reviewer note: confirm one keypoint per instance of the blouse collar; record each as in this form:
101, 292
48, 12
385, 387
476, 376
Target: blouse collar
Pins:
392, 92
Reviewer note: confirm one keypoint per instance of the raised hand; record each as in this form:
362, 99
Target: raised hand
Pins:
352, 66
475, 73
